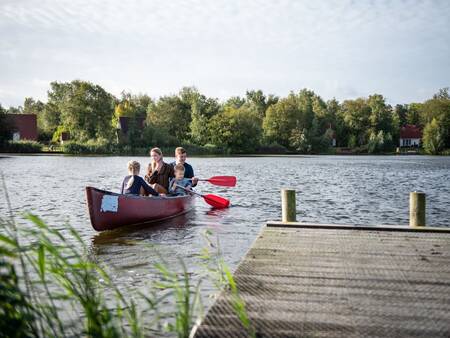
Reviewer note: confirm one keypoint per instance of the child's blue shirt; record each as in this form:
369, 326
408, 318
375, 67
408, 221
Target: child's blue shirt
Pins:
184, 182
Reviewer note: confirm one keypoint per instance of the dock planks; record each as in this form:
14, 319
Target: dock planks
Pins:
327, 281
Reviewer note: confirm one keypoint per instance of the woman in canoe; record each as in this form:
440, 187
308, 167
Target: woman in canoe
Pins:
159, 172
133, 184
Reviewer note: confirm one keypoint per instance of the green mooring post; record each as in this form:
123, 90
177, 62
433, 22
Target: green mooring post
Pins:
416, 209
288, 205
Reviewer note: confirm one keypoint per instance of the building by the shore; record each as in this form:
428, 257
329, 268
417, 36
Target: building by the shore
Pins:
410, 136
24, 126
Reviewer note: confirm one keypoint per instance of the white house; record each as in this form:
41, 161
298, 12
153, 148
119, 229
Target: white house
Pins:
410, 136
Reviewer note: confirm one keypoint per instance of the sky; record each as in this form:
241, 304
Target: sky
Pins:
338, 48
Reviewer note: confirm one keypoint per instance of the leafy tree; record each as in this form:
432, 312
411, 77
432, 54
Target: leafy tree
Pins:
355, 116
257, 98
442, 94
433, 137
30, 106
202, 109
85, 109
48, 121
172, 114
438, 108
380, 113
413, 114
236, 129
401, 112
379, 142
234, 102
281, 119
15, 110
298, 140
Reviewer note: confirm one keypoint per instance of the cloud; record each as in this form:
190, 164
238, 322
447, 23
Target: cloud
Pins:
226, 46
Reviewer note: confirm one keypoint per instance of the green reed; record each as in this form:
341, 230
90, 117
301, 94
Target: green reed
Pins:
50, 288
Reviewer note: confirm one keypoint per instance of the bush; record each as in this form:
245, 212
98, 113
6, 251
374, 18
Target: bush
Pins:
272, 148
23, 146
100, 146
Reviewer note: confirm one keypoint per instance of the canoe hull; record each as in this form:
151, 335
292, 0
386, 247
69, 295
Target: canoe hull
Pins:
108, 210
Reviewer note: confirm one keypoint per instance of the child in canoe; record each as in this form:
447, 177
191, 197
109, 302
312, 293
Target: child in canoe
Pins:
133, 184
177, 183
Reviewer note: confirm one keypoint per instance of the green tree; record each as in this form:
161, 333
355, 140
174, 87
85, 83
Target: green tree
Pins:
48, 121
298, 140
438, 108
401, 113
202, 109
433, 137
380, 113
85, 109
413, 114
355, 117
234, 102
172, 114
236, 129
281, 119
260, 101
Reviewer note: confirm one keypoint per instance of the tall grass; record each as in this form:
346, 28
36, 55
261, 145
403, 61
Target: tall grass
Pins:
50, 288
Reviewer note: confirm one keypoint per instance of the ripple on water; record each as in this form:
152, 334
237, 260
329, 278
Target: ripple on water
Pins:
358, 190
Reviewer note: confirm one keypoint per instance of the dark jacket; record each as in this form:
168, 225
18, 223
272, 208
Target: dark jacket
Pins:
162, 177
135, 188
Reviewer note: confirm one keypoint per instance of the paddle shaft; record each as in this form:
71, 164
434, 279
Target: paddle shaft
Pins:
191, 191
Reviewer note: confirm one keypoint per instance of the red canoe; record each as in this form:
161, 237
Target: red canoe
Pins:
109, 210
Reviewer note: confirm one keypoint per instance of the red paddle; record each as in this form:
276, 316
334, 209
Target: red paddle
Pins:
213, 200
225, 181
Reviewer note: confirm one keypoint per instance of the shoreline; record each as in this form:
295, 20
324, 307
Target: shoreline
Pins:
193, 154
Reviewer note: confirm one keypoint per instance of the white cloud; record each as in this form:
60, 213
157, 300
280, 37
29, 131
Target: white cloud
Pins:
338, 48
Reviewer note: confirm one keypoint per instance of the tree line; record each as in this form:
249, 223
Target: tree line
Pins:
301, 122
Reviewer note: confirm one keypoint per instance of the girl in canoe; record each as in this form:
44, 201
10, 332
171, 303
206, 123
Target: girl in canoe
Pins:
159, 172
133, 184
179, 182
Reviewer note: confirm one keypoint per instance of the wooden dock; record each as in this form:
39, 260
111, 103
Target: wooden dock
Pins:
308, 280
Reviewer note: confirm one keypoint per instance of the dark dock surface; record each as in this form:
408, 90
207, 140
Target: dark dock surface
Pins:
340, 281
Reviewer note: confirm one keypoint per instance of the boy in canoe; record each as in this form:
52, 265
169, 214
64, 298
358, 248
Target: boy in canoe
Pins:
180, 158
133, 184
179, 185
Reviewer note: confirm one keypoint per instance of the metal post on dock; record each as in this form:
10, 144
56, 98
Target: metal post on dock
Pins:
288, 205
416, 209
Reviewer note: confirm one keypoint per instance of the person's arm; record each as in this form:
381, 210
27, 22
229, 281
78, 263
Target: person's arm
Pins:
153, 177
123, 186
171, 183
148, 189
193, 178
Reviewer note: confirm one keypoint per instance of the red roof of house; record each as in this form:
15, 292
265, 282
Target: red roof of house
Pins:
25, 124
410, 131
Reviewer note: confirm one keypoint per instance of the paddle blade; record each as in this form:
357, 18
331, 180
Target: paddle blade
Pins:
224, 181
216, 201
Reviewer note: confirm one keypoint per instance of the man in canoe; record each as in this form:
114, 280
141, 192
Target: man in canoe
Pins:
159, 172
180, 158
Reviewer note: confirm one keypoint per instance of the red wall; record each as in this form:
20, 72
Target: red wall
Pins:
25, 124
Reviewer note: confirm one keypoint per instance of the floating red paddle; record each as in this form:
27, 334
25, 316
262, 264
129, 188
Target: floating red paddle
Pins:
225, 181
213, 200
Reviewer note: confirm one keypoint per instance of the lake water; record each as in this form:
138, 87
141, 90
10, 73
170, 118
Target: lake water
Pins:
331, 189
